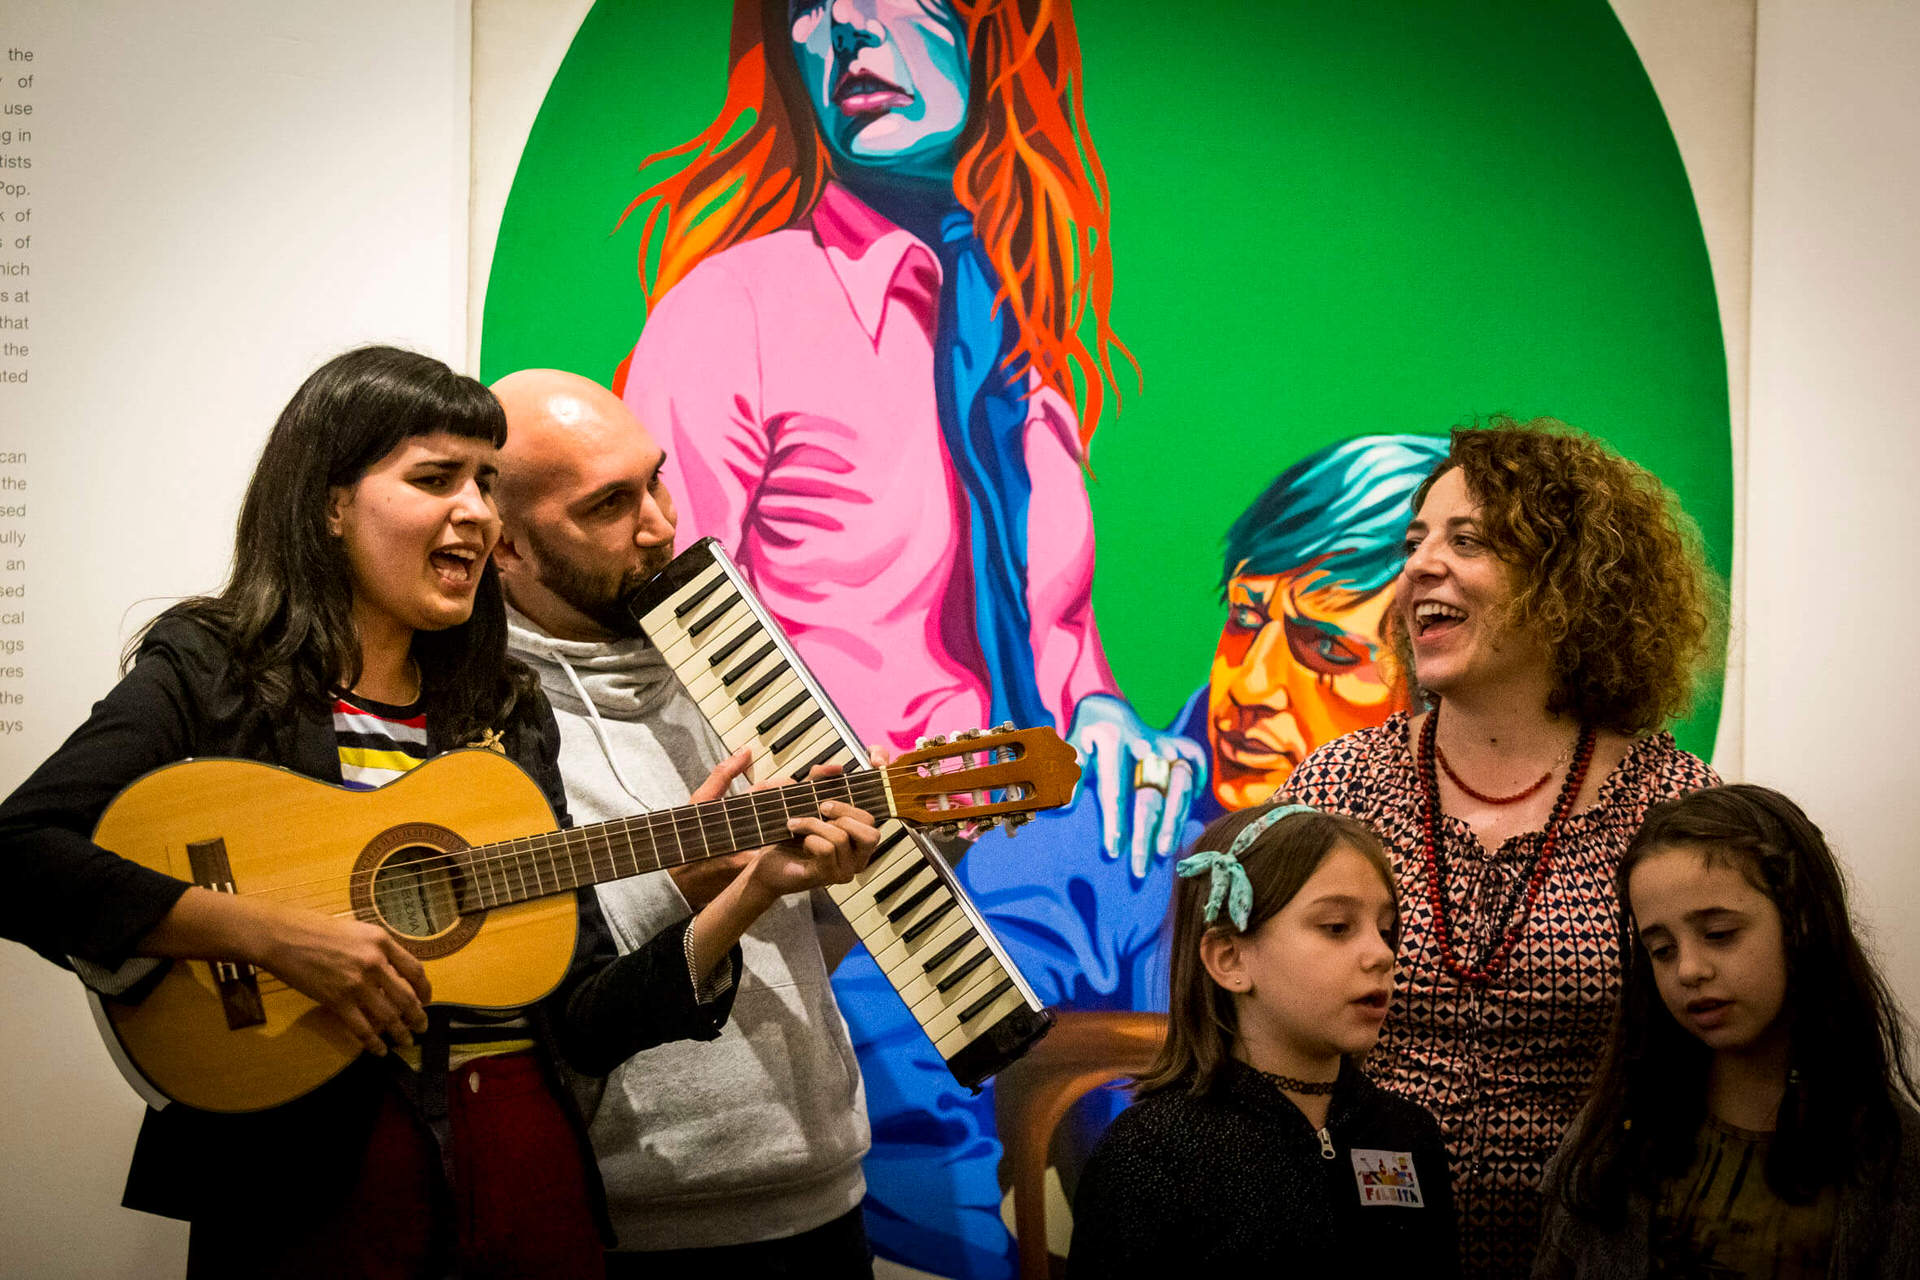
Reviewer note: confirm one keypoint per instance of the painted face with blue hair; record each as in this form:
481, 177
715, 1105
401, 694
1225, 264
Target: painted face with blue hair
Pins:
1307, 579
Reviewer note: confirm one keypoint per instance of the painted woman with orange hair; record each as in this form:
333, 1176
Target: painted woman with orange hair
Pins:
876, 349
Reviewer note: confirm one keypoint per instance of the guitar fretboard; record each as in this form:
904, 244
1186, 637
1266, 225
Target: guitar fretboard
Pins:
495, 875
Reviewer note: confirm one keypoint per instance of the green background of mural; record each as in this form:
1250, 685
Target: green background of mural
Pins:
1328, 220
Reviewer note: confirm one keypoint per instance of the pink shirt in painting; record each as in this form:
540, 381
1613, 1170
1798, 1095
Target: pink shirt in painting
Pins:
791, 381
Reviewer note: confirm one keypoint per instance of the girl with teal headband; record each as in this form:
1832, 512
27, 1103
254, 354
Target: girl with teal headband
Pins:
1255, 1140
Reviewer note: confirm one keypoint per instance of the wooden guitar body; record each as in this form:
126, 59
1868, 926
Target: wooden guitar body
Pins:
459, 861
382, 855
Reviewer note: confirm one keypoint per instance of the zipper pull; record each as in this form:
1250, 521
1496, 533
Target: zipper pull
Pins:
1326, 1144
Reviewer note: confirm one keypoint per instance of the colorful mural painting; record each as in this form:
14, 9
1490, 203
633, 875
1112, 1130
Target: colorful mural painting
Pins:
1035, 362
1301, 658
863, 356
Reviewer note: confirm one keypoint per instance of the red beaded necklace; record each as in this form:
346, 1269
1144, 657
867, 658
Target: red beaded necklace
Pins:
1482, 796
1429, 831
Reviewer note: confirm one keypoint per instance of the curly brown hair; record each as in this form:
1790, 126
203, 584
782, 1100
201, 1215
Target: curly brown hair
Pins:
1608, 570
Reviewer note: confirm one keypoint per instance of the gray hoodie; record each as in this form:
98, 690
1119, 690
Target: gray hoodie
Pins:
756, 1135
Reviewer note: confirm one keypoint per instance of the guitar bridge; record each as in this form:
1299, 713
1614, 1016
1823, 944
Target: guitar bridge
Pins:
238, 984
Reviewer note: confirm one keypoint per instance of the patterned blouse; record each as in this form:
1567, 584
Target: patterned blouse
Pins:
1503, 1067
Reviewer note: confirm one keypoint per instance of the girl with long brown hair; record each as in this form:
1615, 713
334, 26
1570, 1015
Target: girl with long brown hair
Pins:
1756, 1111
1256, 1142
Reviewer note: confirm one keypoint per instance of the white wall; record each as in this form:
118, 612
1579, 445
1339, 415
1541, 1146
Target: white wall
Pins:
223, 194
1833, 450
228, 191
517, 47
1699, 56
1820, 301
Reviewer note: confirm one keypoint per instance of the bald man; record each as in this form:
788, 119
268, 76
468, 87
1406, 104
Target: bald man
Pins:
743, 1155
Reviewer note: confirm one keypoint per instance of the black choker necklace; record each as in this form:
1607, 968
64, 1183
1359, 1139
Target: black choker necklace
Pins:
1312, 1088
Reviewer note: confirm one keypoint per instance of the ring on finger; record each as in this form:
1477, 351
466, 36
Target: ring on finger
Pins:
1153, 773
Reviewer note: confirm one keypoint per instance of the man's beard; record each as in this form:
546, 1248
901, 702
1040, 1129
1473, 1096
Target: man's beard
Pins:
608, 603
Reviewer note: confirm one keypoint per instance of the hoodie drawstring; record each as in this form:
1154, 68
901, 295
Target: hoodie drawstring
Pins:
599, 729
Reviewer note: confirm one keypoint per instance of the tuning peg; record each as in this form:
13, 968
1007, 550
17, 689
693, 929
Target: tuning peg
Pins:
932, 740
1004, 728
968, 733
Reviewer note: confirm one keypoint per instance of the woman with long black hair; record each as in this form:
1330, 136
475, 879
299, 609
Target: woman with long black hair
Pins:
362, 631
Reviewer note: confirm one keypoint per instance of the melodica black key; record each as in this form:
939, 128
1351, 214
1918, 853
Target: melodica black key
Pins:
749, 681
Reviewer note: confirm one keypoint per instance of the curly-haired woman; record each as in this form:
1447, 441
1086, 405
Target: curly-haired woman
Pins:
1555, 610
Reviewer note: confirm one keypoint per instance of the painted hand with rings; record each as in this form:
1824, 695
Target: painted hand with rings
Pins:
1145, 780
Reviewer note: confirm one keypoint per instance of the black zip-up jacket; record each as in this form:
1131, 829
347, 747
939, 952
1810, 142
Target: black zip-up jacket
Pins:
72, 899
1239, 1178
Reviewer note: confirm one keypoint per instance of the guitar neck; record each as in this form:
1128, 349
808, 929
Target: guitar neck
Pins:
497, 875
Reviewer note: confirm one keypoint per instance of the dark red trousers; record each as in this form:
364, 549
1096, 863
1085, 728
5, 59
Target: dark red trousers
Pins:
520, 1205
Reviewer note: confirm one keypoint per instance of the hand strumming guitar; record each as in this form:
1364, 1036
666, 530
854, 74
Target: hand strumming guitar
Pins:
357, 971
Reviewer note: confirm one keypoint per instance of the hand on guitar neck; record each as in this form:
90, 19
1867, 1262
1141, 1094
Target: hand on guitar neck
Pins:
701, 882
830, 849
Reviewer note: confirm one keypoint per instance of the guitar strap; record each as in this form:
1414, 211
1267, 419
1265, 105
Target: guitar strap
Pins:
430, 1097
428, 1088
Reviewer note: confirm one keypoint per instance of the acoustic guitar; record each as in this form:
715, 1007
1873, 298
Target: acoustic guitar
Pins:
458, 860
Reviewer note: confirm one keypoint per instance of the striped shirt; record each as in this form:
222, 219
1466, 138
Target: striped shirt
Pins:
377, 741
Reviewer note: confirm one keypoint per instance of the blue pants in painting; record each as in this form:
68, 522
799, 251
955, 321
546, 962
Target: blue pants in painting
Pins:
1087, 936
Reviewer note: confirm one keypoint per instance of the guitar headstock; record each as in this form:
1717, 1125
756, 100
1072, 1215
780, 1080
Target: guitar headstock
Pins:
979, 777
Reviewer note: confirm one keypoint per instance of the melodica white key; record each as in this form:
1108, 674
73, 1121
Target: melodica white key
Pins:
925, 934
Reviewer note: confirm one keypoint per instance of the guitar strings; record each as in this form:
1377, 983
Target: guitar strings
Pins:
675, 821
760, 802
679, 823
575, 842
859, 785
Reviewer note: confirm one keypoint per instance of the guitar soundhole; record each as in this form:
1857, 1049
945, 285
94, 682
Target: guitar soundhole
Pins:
412, 879
417, 892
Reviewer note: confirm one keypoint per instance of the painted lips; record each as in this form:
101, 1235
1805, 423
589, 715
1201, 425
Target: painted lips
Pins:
1252, 754
861, 93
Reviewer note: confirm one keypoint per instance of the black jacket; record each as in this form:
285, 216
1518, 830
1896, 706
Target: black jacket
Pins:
73, 899
1238, 1178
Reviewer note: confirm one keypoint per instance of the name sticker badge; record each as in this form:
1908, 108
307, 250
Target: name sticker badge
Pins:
1387, 1177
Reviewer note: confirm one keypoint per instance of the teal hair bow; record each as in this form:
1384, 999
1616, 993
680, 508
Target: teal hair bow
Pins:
1230, 883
